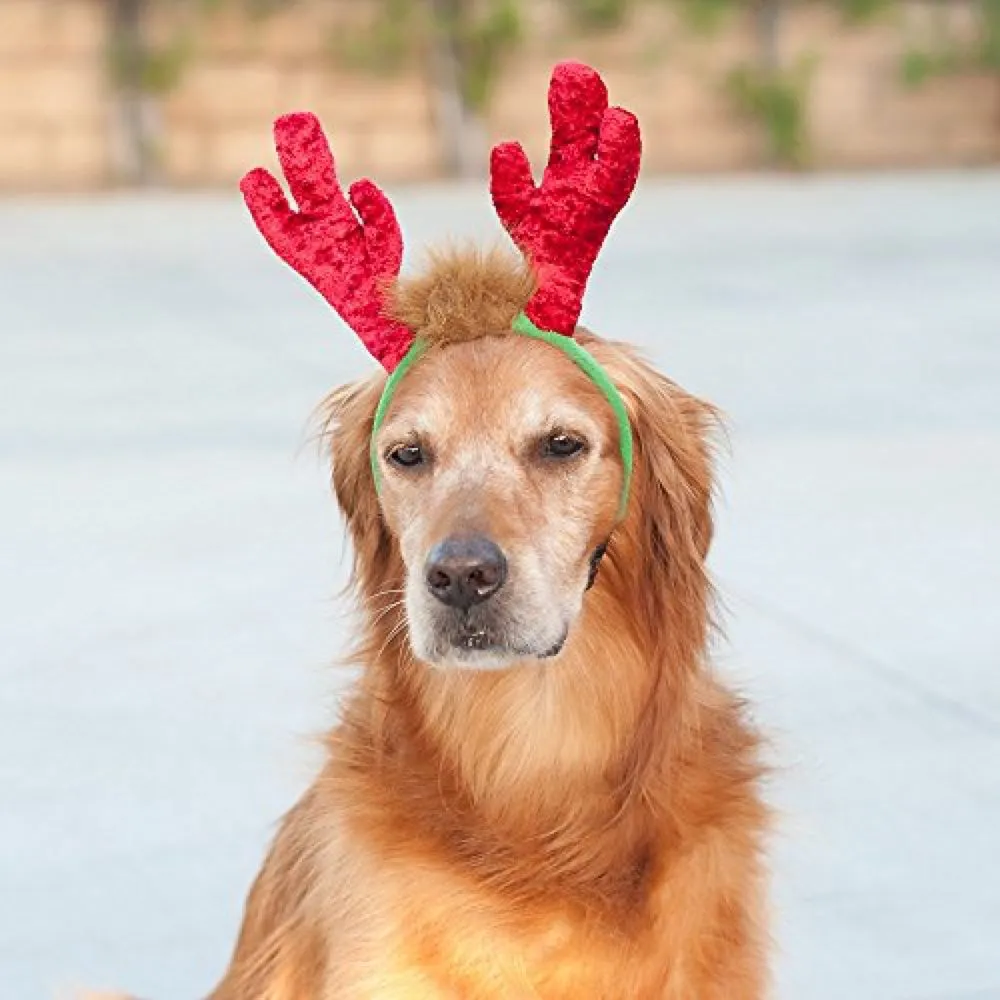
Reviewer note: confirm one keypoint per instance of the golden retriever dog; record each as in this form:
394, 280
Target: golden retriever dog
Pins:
538, 788
545, 793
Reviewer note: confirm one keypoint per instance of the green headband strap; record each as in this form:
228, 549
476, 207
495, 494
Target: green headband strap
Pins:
579, 355
593, 369
388, 391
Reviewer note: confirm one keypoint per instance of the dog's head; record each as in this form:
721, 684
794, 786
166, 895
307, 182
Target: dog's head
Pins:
503, 459
500, 479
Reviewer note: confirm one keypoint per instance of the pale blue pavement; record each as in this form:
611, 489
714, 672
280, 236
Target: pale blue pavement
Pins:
170, 559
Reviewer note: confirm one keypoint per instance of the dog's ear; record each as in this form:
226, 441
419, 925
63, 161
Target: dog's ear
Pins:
349, 414
668, 527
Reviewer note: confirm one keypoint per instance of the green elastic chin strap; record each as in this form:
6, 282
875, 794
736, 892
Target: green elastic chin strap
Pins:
579, 355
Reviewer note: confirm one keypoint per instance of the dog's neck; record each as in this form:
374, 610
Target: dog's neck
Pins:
546, 734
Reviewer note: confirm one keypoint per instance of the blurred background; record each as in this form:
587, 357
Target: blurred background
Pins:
182, 92
814, 246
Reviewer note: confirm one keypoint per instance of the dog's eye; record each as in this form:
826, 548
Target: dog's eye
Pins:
562, 446
407, 456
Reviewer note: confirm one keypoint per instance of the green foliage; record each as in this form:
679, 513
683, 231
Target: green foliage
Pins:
777, 100
157, 69
264, 8
989, 48
919, 65
861, 11
705, 16
163, 67
948, 58
482, 44
479, 36
598, 15
153, 70
254, 8
383, 45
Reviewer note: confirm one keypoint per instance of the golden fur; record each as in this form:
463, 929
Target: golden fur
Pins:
582, 828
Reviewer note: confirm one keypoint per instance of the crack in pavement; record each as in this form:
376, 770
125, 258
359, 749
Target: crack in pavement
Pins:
982, 721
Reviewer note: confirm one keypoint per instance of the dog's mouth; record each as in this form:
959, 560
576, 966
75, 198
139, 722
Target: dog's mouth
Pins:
481, 638
474, 638
482, 645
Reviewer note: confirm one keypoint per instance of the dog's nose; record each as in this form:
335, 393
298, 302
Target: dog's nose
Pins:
465, 570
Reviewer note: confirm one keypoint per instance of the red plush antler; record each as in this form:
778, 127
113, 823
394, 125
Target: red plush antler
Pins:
348, 262
561, 224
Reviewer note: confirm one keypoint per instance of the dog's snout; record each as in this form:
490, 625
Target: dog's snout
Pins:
465, 570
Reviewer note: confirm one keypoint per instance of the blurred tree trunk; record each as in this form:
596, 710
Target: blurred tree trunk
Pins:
135, 123
768, 24
767, 15
462, 131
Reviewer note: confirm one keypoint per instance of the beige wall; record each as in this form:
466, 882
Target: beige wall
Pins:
56, 129
53, 102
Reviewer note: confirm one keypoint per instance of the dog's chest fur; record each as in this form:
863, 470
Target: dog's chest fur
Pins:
438, 924
441, 937
450, 941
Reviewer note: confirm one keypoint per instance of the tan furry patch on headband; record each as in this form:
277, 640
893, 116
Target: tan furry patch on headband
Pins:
464, 294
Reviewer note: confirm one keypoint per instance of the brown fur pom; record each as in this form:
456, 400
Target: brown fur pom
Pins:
463, 295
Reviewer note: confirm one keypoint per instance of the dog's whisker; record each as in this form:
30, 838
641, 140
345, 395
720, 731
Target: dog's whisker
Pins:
388, 592
393, 633
398, 628
401, 622
386, 610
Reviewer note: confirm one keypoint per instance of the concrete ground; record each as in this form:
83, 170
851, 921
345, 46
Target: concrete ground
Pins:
169, 560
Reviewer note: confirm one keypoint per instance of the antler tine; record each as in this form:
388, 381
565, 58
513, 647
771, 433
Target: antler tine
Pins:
562, 223
347, 247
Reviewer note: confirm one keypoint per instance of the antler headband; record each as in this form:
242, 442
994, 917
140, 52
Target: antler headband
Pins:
351, 250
